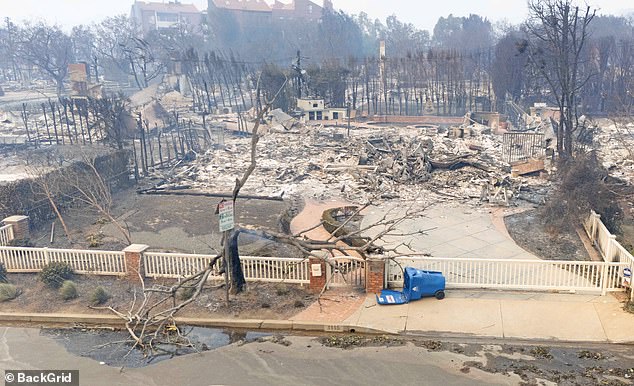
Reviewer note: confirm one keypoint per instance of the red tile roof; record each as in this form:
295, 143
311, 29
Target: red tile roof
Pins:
280, 5
243, 5
171, 7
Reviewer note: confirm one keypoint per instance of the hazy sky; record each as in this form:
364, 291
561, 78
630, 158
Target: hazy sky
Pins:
422, 13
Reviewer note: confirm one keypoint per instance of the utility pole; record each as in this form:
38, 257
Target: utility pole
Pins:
297, 67
348, 114
299, 70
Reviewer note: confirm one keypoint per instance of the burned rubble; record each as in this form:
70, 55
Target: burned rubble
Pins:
373, 163
615, 141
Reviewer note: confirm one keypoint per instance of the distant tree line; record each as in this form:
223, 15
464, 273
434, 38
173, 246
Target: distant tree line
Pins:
465, 64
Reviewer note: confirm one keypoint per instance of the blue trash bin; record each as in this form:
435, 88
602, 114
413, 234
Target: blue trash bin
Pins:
417, 283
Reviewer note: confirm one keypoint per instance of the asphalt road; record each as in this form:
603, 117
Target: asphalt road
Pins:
303, 362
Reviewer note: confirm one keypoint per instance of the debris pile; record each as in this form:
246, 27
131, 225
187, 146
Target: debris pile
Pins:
615, 141
464, 163
322, 163
400, 160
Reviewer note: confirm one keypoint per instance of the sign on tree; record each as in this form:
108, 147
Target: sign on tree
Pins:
225, 215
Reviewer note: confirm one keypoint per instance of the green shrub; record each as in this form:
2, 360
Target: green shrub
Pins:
21, 243
8, 292
68, 290
99, 296
54, 274
3, 273
95, 240
282, 290
186, 293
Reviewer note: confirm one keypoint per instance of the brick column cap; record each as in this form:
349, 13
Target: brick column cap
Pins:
136, 248
15, 218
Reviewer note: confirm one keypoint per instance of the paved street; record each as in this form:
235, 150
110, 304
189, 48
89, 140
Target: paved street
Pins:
370, 360
303, 362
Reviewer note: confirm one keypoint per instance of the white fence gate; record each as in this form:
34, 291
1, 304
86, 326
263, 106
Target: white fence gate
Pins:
537, 275
345, 271
534, 275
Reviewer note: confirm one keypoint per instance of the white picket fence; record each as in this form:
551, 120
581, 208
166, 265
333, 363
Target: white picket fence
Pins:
537, 275
534, 275
276, 269
21, 259
610, 249
255, 268
6, 234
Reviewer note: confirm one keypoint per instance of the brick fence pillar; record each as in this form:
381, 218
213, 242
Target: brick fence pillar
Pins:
374, 275
20, 227
317, 274
134, 261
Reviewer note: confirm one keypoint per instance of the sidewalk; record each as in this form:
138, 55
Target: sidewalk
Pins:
513, 315
487, 314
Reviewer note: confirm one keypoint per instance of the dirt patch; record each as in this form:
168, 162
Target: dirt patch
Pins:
171, 223
528, 231
352, 341
261, 300
626, 238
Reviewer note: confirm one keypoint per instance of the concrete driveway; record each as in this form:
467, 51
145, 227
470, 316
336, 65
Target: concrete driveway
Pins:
456, 230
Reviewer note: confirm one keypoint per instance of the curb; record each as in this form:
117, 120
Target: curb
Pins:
250, 324
462, 337
279, 325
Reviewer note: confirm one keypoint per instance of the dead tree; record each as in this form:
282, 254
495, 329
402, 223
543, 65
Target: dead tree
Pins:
48, 49
559, 31
47, 183
77, 179
233, 268
83, 182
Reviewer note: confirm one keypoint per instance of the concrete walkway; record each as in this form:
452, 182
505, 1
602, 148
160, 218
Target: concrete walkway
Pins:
514, 315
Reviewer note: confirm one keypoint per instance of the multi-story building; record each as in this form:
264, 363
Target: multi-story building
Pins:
157, 16
256, 13
246, 13
297, 9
